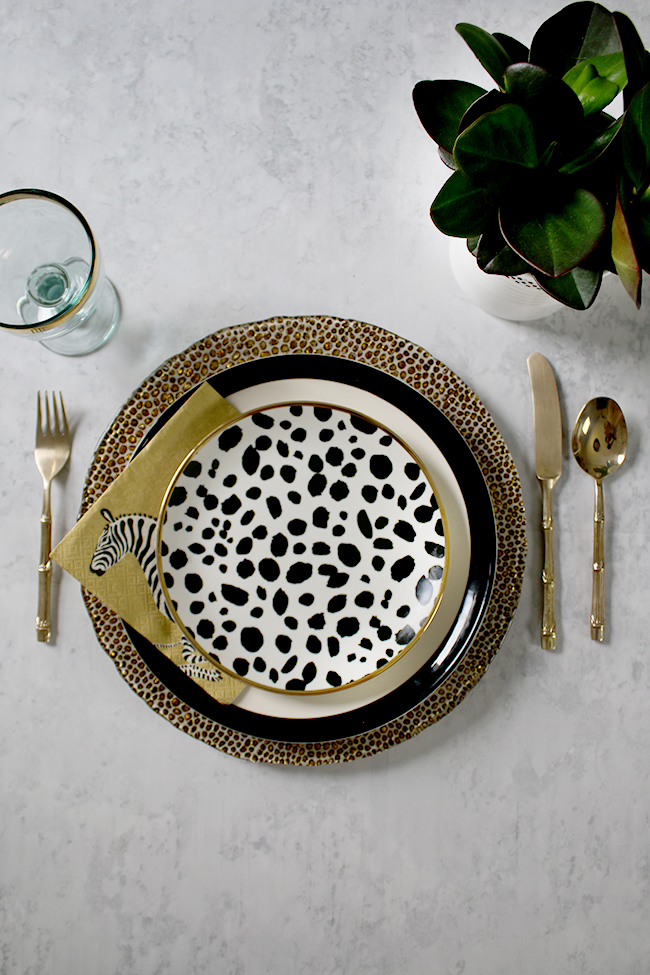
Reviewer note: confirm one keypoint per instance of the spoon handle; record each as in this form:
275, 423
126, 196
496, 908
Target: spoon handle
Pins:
548, 569
598, 578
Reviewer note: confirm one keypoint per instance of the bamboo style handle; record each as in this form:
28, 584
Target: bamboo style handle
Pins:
598, 577
43, 625
548, 569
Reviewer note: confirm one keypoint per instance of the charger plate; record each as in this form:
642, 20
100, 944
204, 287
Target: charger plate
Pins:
477, 621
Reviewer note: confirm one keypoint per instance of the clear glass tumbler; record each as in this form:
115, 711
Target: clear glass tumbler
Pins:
52, 282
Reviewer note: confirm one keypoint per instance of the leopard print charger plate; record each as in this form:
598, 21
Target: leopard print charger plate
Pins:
406, 371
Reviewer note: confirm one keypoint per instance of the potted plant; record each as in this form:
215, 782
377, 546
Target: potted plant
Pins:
545, 181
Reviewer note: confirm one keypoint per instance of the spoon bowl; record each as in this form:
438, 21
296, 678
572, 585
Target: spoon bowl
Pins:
599, 440
599, 445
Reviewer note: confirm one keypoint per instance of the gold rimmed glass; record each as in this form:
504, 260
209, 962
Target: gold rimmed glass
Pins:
52, 282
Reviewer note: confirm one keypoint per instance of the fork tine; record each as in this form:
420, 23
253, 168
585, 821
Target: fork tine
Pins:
56, 428
64, 420
54, 415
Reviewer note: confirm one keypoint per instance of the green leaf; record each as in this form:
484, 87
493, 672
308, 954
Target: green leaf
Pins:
554, 108
598, 80
594, 150
440, 105
554, 230
608, 66
576, 33
595, 93
515, 50
580, 76
497, 147
624, 255
576, 289
460, 209
492, 55
636, 140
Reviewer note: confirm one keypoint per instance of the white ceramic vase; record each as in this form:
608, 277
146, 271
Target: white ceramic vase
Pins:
515, 299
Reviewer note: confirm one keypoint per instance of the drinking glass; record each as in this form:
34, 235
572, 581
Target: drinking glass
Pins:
52, 282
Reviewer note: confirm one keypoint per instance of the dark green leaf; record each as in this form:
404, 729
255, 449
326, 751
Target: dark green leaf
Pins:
634, 54
596, 124
548, 155
636, 140
515, 50
441, 105
497, 147
592, 128
494, 256
579, 31
577, 289
486, 103
594, 150
460, 209
553, 107
492, 55
553, 231
624, 255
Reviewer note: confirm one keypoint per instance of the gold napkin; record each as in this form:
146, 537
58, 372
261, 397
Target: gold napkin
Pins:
127, 511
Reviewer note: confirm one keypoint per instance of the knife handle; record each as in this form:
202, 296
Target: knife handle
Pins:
548, 569
598, 578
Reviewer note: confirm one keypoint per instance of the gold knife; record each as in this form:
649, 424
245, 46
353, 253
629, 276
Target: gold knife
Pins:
548, 467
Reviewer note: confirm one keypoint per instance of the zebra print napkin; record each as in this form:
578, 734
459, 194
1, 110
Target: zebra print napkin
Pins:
111, 549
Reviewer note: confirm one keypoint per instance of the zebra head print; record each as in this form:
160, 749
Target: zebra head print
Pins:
127, 533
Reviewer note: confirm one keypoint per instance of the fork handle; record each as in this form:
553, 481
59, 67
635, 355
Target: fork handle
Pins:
43, 624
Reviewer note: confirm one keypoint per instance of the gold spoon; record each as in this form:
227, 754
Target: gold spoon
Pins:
599, 443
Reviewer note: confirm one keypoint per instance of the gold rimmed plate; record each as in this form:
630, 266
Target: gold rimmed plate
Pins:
302, 548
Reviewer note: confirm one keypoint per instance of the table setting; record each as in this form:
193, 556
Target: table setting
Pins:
320, 589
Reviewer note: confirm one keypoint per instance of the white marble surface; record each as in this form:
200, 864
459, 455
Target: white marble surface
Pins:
240, 160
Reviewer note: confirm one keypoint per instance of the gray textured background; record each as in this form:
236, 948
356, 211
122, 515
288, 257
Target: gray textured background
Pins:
238, 161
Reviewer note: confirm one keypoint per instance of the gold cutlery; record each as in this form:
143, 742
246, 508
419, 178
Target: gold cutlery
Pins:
548, 468
599, 444
50, 453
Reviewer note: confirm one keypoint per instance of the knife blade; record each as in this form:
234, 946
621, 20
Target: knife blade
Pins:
547, 421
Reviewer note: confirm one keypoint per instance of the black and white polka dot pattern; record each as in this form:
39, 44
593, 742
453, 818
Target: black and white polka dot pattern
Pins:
303, 548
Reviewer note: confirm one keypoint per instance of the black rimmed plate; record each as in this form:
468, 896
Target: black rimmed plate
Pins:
255, 384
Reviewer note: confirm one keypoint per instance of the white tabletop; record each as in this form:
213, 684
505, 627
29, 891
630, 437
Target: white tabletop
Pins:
239, 161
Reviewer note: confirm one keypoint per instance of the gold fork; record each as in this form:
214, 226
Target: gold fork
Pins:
51, 452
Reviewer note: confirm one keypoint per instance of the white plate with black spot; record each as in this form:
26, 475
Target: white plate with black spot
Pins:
303, 548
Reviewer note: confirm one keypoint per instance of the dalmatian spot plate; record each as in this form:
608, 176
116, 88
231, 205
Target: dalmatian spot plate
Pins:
302, 548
